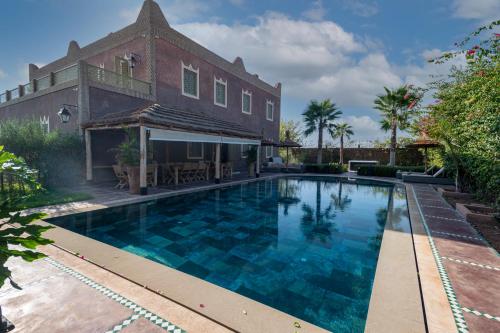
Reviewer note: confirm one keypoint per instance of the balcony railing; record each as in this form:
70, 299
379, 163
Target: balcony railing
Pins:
70, 73
64, 75
114, 79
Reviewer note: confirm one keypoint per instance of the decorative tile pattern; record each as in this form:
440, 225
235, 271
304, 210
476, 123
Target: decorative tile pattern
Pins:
457, 235
445, 218
139, 311
448, 288
481, 314
472, 263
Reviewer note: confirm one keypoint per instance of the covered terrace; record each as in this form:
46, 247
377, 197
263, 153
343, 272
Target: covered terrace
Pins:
175, 146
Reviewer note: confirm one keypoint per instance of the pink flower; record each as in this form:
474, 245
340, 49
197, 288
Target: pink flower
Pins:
471, 52
406, 96
412, 104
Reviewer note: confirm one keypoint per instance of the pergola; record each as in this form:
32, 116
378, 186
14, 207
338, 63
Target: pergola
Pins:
158, 123
424, 142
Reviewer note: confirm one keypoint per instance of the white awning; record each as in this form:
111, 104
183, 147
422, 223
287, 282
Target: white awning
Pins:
157, 134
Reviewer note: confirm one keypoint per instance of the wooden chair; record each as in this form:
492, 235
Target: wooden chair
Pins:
122, 176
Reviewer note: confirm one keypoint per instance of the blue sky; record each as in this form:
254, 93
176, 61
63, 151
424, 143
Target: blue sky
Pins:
346, 50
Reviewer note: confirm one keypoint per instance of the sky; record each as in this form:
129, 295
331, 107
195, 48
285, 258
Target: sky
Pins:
345, 50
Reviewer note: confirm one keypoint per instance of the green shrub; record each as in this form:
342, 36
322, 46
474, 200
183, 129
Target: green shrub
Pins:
330, 168
385, 170
57, 156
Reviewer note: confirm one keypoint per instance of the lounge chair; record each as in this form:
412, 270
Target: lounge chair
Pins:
410, 177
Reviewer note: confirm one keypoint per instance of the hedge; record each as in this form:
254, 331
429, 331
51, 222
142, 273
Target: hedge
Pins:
331, 168
386, 171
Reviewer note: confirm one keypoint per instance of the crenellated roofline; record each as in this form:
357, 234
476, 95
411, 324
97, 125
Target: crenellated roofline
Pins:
152, 23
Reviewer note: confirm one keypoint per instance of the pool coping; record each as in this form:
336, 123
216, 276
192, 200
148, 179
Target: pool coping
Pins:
244, 314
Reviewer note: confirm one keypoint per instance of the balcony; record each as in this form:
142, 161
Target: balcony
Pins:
68, 74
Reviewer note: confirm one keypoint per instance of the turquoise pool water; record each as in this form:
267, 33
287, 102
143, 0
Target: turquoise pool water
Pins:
305, 246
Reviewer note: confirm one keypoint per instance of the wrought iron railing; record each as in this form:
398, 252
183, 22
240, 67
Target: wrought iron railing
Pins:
114, 79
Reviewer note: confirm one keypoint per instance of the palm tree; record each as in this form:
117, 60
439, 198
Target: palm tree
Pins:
340, 131
320, 116
397, 109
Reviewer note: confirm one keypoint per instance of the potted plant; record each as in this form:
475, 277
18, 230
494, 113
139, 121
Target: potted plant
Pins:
251, 159
128, 156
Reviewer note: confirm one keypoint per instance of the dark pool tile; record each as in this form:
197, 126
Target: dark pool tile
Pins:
192, 268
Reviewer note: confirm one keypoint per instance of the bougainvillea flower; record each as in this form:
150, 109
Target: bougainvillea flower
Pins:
412, 104
471, 52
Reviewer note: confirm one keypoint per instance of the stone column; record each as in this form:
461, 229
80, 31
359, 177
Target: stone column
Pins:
143, 160
217, 163
257, 167
83, 95
88, 155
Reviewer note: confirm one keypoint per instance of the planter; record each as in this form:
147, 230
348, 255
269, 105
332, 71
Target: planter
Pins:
251, 170
477, 213
134, 181
453, 194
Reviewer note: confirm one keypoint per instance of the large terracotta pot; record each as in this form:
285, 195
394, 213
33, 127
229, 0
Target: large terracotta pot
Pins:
134, 181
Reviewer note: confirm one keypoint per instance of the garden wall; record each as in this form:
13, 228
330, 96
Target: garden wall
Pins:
403, 156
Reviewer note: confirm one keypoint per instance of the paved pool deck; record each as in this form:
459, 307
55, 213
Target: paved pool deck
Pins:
467, 268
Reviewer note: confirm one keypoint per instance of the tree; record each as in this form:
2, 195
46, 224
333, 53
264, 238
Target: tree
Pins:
293, 128
340, 131
318, 117
466, 115
398, 107
16, 229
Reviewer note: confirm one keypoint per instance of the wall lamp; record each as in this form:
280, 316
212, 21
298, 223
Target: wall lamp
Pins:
64, 114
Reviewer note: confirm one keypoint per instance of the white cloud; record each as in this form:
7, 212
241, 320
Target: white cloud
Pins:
129, 15
317, 11
2, 74
362, 8
482, 10
431, 54
365, 128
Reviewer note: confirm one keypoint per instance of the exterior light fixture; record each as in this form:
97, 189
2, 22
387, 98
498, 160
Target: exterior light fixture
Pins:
133, 59
64, 114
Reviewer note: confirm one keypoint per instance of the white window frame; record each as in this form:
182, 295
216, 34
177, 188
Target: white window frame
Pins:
190, 157
220, 81
197, 71
272, 113
45, 120
244, 153
249, 93
269, 151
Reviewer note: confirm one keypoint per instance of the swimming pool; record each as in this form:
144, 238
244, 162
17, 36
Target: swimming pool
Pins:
305, 246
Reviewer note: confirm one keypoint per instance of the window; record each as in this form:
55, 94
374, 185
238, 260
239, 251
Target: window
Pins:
269, 110
246, 102
269, 151
195, 150
244, 151
100, 73
220, 92
45, 124
190, 81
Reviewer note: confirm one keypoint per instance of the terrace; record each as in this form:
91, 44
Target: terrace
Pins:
71, 76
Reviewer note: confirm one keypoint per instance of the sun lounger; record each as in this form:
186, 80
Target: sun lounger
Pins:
410, 177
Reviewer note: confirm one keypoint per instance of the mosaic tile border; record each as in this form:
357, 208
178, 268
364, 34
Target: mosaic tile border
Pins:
472, 263
481, 314
457, 235
138, 310
450, 293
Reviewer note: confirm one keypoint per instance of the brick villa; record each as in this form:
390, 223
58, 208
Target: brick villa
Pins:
190, 104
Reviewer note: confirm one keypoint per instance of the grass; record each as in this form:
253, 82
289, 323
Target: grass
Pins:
49, 197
